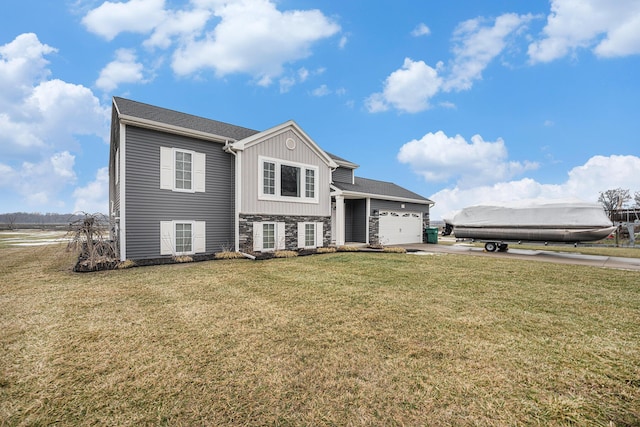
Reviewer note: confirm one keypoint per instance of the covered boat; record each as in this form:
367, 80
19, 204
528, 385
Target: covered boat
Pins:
551, 221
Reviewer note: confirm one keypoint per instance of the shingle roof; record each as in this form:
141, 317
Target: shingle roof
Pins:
380, 188
183, 120
339, 159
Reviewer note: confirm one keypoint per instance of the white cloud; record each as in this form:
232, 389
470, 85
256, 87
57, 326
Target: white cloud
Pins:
124, 69
408, 89
22, 63
40, 183
244, 36
609, 28
181, 24
584, 182
439, 158
40, 123
476, 45
320, 91
94, 197
421, 30
245, 40
112, 18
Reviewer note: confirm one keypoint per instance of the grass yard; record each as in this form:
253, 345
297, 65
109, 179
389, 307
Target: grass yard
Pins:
335, 339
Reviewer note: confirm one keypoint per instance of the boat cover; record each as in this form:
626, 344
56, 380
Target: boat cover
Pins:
552, 214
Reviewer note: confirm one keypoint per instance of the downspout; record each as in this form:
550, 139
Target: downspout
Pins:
237, 196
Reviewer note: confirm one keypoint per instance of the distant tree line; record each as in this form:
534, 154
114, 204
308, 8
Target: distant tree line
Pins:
12, 220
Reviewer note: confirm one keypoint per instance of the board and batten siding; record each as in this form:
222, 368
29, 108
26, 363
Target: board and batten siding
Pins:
275, 147
147, 204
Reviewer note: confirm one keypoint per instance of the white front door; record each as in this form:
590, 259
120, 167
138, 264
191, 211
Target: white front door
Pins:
400, 227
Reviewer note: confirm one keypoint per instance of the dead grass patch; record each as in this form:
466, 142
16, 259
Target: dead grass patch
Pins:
342, 339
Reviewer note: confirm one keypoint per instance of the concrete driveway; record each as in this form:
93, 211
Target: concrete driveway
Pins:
531, 255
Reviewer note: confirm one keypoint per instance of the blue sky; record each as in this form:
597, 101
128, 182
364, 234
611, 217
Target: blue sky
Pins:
461, 101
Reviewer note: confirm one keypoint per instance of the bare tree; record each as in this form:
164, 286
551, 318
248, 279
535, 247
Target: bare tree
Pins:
11, 220
636, 198
614, 199
89, 237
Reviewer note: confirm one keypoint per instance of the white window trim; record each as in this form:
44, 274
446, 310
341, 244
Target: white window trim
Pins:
279, 238
174, 152
277, 197
318, 239
168, 237
168, 170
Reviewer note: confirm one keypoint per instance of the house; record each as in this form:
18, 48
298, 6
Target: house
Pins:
182, 184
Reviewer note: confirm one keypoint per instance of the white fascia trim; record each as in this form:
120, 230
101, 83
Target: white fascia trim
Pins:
150, 124
348, 194
290, 124
123, 186
346, 164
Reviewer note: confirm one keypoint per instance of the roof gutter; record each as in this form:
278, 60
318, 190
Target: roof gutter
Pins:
178, 130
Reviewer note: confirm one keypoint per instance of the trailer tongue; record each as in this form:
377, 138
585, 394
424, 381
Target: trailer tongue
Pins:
556, 221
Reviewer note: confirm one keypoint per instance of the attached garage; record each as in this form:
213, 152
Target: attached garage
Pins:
397, 228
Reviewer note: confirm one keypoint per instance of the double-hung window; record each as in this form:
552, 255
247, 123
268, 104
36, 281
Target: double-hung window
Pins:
184, 238
269, 178
184, 170
310, 183
310, 234
269, 236
287, 181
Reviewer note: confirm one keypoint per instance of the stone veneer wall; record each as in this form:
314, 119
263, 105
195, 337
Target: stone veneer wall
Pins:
374, 227
291, 229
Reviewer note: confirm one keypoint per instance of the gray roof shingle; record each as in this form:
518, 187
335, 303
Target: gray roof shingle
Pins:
183, 120
380, 188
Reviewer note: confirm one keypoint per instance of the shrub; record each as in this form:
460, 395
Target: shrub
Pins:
183, 258
285, 254
228, 255
395, 250
329, 250
347, 249
125, 264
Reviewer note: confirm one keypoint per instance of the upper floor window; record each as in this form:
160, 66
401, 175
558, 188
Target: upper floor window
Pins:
310, 183
288, 181
269, 178
182, 170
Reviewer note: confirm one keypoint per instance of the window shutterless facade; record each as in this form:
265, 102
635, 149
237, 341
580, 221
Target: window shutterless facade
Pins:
287, 181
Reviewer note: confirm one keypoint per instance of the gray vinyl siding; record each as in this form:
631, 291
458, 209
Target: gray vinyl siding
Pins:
379, 205
355, 220
275, 148
343, 174
147, 204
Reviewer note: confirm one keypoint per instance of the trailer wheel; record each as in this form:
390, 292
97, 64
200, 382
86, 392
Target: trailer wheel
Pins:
503, 247
490, 247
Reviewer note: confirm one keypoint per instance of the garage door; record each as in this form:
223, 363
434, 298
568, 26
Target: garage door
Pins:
400, 227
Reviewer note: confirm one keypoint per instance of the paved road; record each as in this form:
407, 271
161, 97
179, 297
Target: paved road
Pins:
544, 256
